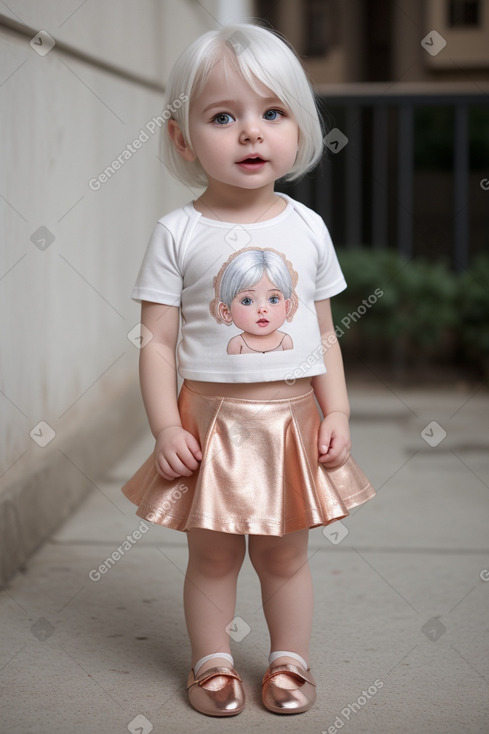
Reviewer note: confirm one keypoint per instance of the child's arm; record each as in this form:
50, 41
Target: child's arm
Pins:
177, 452
330, 389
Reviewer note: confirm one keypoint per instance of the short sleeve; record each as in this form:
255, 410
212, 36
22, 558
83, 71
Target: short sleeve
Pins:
160, 279
329, 278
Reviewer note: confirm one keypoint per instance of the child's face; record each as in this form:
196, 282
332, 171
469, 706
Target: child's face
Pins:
261, 309
241, 138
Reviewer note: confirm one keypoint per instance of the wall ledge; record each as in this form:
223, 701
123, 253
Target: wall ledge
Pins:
39, 500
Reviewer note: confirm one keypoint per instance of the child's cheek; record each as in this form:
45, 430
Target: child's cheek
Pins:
238, 314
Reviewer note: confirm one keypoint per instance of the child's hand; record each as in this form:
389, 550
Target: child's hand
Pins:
177, 453
334, 442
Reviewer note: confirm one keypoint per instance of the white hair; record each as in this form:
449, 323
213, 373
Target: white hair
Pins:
261, 57
245, 270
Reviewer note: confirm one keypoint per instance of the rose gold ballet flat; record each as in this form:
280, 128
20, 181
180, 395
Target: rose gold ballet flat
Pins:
288, 689
217, 692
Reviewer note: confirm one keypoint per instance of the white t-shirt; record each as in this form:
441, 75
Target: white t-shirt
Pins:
246, 292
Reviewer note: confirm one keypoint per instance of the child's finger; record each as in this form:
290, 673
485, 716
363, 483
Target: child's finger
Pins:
176, 463
324, 441
188, 454
193, 446
329, 457
164, 469
189, 460
336, 457
330, 463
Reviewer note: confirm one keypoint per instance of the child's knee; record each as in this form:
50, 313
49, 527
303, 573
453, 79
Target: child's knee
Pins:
280, 560
216, 562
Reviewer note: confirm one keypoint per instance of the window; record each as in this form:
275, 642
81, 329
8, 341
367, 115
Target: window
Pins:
463, 13
320, 27
464, 25
268, 10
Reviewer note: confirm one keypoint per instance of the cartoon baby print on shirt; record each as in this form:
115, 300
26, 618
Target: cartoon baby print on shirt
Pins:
255, 290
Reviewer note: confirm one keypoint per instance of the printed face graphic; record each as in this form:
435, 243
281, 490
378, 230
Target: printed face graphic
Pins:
248, 298
259, 310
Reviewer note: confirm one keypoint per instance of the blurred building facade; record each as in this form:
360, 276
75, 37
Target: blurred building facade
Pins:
379, 40
406, 84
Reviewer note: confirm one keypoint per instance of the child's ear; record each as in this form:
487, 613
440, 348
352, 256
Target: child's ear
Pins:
225, 314
178, 140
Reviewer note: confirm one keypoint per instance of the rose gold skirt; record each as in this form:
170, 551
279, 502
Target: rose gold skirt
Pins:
259, 472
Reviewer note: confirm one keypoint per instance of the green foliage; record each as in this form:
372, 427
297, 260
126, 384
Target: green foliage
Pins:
473, 307
417, 308
417, 300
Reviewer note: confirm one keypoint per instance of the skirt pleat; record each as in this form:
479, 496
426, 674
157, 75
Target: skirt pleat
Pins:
259, 472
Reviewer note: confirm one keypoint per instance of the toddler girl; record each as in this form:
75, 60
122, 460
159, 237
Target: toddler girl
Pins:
243, 450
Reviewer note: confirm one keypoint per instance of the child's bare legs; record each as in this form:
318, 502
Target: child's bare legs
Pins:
287, 594
210, 591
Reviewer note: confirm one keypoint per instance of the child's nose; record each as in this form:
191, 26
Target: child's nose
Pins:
251, 133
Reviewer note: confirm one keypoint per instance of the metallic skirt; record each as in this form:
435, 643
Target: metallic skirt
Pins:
259, 472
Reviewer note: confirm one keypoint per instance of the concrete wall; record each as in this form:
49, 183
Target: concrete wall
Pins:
73, 239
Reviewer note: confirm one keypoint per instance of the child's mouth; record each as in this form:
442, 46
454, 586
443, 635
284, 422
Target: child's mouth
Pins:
263, 322
252, 163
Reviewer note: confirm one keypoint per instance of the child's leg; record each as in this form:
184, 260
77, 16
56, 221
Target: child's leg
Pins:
286, 586
210, 592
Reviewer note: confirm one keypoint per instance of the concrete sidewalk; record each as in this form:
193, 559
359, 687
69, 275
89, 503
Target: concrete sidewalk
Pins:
401, 628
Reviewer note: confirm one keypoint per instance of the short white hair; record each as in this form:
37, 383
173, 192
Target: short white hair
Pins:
261, 56
247, 269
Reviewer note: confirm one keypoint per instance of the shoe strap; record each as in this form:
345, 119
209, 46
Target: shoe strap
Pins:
289, 669
213, 673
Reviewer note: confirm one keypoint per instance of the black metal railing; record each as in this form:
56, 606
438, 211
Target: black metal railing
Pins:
414, 174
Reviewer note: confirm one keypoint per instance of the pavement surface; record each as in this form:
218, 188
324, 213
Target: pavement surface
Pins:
400, 640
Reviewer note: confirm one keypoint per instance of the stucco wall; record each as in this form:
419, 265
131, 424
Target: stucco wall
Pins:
73, 238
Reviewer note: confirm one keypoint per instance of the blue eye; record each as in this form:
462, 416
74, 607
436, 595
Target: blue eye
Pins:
246, 301
272, 114
274, 299
223, 118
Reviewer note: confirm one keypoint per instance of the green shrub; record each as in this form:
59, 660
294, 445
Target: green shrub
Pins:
414, 311
473, 309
